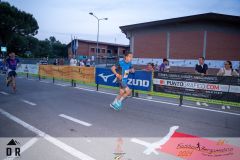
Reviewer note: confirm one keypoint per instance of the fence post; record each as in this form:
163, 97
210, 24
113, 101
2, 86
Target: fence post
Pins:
27, 75
72, 82
180, 100
97, 86
39, 77
53, 80
136, 94
133, 93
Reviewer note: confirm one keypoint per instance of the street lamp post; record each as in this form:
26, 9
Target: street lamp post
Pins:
98, 20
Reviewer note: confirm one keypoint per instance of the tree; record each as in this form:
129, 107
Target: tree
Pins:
14, 22
17, 29
19, 44
52, 39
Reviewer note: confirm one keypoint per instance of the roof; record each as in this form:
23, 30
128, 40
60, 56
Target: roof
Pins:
101, 43
206, 16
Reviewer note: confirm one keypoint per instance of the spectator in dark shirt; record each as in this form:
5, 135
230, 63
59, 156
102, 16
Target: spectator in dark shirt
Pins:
164, 67
201, 68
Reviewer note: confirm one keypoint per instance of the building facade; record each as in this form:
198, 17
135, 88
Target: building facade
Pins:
88, 48
183, 40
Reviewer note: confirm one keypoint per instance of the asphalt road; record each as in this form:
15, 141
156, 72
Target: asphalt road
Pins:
57, 121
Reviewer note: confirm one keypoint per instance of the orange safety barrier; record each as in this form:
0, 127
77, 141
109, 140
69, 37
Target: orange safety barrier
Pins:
45, 70
83, 74
66, 72
56, 72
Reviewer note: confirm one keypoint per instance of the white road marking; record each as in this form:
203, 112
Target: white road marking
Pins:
28, 102
25, 147
75, 120
173, 104
44, 81
63, 85
31, 79
113, 94
205, 109
198, 103
151, 147
72, 151
150, 100
4, 93
29, 144
163, 102
205, 104
85, 89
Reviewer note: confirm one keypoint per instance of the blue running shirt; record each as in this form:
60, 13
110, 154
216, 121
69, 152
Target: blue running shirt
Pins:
12, 63
123, 69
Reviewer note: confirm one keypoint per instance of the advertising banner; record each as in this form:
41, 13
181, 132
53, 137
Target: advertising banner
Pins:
212, 87
140, 80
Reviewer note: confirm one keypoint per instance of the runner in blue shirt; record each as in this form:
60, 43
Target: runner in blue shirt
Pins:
12, 64
122, 70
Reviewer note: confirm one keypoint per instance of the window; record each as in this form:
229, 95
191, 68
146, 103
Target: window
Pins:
92, 49
103, 50
109, 51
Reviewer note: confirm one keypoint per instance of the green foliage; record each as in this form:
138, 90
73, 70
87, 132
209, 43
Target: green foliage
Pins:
15, 22
17, 29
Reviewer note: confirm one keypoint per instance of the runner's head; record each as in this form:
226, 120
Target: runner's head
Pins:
12, 55
128, 57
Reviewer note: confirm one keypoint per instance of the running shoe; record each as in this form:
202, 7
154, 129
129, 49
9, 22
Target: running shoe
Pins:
114, 106
119, 104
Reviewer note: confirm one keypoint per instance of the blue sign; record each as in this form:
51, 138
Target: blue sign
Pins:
140, 80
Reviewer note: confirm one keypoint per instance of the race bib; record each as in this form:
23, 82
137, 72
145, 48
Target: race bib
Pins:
126, 73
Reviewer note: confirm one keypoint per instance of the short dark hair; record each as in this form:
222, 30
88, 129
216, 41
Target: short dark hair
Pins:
165, 59
152, 64
127, 53
230, 63
202, 58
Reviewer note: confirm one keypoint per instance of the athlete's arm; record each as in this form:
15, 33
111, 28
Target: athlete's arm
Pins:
115, 72
132, 70
18, 64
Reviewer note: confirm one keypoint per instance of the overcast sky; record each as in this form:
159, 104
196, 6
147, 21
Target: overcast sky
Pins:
63, 18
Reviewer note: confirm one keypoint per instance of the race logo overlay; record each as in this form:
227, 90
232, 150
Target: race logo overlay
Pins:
13, 149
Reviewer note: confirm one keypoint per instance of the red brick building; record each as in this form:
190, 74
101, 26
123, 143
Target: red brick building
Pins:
213, 36
88, 48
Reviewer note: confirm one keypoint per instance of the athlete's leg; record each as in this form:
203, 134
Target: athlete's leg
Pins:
14, 83
121, 93
127, 92
9, 79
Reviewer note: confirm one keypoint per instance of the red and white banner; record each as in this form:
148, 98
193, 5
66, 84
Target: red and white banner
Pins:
196, 85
